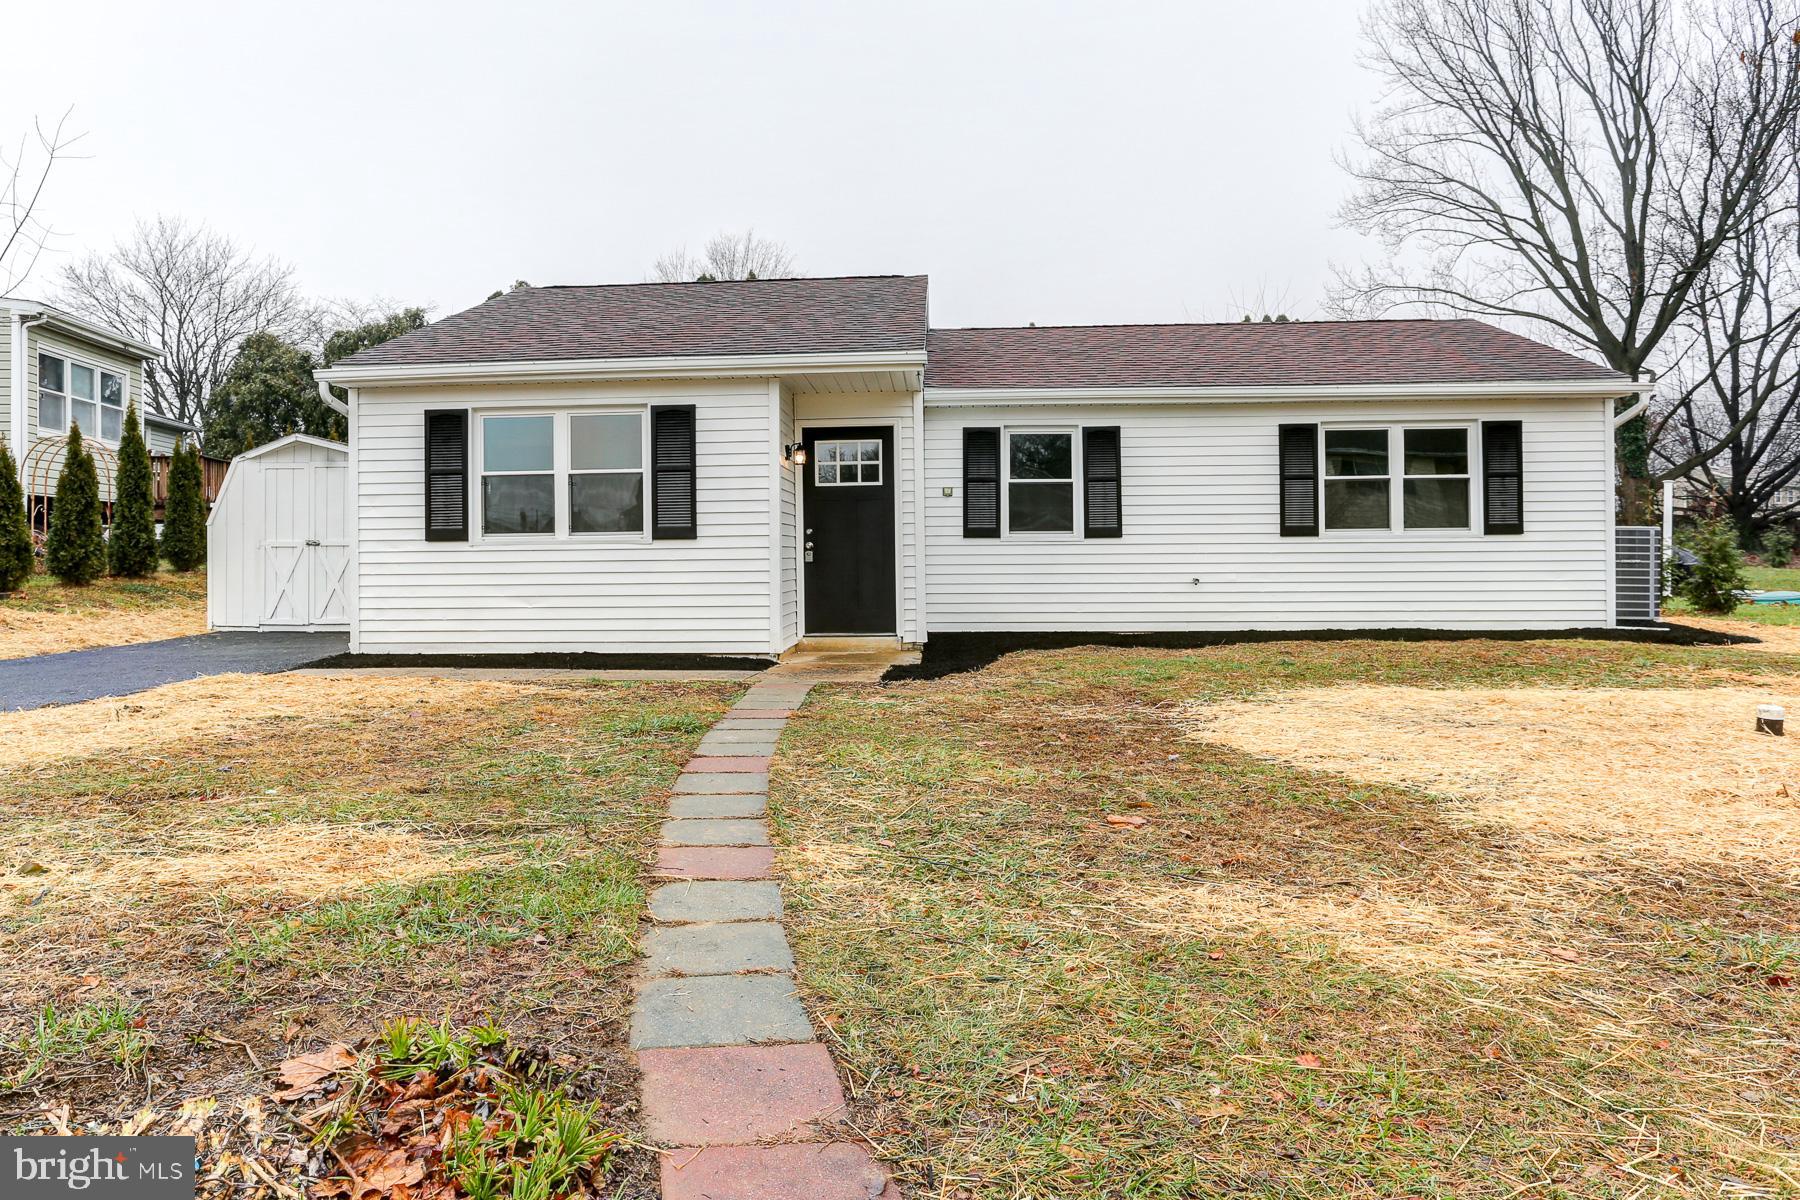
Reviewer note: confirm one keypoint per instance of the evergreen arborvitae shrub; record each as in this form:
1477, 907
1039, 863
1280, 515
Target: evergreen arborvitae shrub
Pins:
184, 513
131, 546
15, 530
1712, 584
75, 551
1778, 546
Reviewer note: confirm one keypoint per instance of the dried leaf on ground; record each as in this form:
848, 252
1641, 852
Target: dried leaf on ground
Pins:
302, 1074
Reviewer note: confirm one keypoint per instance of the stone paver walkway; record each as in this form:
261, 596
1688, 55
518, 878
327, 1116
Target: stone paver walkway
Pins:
735, 1082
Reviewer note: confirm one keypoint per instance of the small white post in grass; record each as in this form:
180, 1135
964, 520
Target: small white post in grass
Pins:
1668, 524
1770, 718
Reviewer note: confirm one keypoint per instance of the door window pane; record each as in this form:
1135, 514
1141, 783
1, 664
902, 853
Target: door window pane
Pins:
518, 503
1436, 503
606, 442
1437, 451
612, 502
1356, 452
1356, 504
1043, 456
847, 462
517, 443
1041, 507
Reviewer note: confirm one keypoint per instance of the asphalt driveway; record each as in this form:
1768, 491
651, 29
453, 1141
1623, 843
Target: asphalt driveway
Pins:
121, 670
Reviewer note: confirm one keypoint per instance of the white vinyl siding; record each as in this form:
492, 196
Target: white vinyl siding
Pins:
1202, 549
789, 621
603, 595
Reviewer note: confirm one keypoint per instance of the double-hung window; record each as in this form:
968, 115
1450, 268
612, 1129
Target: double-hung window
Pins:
1435, 488
518, 474
74, 393
1397, 478
1040, 481
1356, 479
606, 472
554, 474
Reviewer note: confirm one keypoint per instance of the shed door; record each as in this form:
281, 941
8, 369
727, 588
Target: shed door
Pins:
306, 547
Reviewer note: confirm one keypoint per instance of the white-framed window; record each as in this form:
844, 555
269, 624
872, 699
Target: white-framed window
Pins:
1435, 484
606, 472
71, 392
1395, 477
1040, 472
560, 474
852, 462
518, 474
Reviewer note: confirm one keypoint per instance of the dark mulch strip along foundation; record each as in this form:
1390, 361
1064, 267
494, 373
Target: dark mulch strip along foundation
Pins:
955, 653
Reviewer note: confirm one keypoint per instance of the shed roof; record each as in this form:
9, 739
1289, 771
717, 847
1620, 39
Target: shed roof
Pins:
1247, 354
839, 315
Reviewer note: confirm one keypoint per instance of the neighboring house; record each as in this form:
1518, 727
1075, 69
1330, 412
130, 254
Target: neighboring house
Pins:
728, 467
57, 369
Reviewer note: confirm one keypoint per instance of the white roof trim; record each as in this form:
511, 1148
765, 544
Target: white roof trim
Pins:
1598, 389
289, 440
694, 366
72, 324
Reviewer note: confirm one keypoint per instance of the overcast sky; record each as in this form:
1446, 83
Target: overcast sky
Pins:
1048, 162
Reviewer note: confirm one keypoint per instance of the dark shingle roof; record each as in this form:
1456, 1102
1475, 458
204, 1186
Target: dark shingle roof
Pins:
858, 314
1254, 354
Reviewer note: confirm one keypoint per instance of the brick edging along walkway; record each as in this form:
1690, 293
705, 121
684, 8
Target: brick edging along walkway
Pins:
734, 1082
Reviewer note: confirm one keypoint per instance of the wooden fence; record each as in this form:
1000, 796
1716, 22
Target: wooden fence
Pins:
212, 477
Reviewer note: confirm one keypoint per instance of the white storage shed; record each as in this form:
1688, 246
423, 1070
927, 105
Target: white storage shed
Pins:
278, 539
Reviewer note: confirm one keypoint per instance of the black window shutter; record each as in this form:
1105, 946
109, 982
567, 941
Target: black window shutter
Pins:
447, 475
981, 483
1101, 502
674, 510
1299, 481
1503, 476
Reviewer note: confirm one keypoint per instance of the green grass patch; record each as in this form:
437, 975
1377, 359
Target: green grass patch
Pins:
1280, 984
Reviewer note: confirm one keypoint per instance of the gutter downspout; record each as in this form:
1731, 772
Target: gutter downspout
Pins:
21, 420
332, 402
1643, 402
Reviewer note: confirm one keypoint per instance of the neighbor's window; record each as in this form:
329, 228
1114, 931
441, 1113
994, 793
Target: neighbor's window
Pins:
606, 473
112, 406
518, 474
847, 463
1435, 490
1356, 479
72, 393
1040, 482
53, 394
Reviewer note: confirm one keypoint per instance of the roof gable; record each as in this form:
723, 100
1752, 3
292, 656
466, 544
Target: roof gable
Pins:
844, 315
1247, 355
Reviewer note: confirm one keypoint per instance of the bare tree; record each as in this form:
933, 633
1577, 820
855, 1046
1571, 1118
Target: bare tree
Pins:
196, 295
1572, 165
23, 173
1738, 385
726, 256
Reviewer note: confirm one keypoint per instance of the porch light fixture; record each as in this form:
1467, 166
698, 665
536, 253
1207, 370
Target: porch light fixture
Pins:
795, 453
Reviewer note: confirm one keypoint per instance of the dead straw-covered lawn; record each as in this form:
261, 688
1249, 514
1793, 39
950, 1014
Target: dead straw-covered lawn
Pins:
45, 617
201, 881
1473, 918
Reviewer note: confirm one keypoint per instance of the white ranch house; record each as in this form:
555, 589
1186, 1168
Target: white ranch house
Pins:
727, 468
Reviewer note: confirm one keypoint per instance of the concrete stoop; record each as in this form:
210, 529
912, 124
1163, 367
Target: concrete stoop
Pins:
735, 1084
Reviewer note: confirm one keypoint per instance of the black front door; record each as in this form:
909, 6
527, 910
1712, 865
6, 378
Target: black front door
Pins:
847, 549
